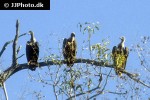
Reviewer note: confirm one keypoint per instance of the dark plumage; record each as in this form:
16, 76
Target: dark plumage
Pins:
126, 54
120, 55
32, 52
65, 48
69, 50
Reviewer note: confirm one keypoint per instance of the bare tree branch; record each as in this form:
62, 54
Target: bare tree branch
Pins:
21, 56
19, 48
138, 81
14, 57
5, 91
118, 93
89, 91
4, 47
13, 69
100, 92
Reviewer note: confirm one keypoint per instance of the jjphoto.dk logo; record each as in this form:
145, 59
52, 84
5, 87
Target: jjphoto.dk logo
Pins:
25, 5
39, 4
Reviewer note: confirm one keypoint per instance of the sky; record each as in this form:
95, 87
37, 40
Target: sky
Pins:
129, 18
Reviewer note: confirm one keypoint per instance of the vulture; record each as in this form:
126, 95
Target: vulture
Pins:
32, 52
69, 50
120, 54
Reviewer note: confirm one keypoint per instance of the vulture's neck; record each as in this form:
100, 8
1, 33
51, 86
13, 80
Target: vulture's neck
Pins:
32, 38
73, 39
121, 44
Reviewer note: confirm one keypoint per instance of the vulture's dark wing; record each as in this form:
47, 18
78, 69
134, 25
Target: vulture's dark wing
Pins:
117, 60
64, 42
114, 50
73, 51
126, 53
36, 50
114, 55
64, 48
68, 53
74, 48
28, 51
120, 46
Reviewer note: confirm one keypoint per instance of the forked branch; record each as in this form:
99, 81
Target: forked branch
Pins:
8, 42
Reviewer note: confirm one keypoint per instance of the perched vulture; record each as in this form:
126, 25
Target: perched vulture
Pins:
120, 55
69, 50
32, 52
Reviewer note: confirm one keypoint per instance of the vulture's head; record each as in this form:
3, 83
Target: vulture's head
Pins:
30, 32
122, 38
32, 36
72, 34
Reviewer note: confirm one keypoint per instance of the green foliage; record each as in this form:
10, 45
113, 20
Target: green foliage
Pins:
52, 57
70, 76
102, 51
89, 28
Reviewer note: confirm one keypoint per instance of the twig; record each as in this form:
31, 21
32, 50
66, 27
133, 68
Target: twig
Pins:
54, 90
102, 88
22, 35
104, 75
19, 48
21, 56
106, 81
118, 93
56, 82
4, 47
139, 81
84, 93
132, 76
89, 91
